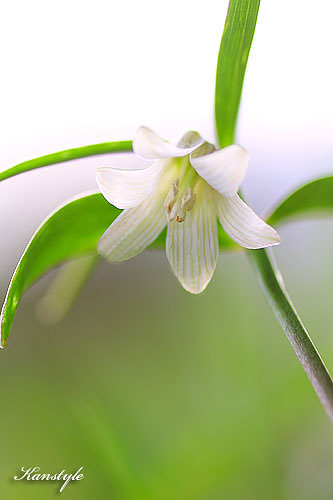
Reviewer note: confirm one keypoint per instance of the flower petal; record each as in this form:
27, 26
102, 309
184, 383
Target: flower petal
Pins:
192, 245
243, 225
150, 146
133, 230
224, 169
127, 188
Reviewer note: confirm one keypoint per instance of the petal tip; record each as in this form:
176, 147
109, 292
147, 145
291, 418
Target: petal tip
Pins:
274, 239
101, 248
150, 146
190, 140
195, 291
277, 240
244, 155
244, 226
99, 171
143, 143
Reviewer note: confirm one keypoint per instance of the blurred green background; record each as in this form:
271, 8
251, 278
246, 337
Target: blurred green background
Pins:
159, 394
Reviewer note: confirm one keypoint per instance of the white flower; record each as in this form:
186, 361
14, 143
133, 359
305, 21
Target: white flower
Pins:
189, 185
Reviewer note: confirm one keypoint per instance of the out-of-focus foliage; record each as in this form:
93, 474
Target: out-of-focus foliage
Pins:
314, 198
161, 395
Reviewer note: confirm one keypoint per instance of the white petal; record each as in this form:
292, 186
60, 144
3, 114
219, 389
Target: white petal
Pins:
127, 188
133, 230
243, 225
192, 245
150, 146
224, 169
190, 140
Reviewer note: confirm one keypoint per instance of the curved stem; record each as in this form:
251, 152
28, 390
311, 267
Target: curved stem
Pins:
234, 50
273, 287
68, 155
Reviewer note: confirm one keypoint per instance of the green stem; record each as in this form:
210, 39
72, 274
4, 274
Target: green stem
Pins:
273, 287
234, 50
68, 155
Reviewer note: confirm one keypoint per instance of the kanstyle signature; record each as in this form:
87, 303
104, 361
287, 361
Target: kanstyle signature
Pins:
33, 474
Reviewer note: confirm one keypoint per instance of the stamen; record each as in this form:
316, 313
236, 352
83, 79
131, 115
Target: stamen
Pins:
172, 195
172, 214
181, 214
188, 199
175, 186
177, 206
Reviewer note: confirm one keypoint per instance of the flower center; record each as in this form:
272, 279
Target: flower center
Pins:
181, 196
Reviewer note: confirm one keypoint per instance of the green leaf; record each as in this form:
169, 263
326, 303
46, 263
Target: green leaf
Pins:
314, 198
70, 232
231, 64
68, 155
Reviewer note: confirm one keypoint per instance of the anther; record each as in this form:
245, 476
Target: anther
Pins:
172, 213
172, 195
175, 186
176, 207
188, 199
181, 214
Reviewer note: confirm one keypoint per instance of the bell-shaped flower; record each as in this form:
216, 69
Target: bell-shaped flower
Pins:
188, 187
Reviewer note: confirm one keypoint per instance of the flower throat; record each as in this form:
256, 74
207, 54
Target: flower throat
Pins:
181, 196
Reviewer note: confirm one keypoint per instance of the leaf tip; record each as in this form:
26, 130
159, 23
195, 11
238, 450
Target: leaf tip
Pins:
3, 335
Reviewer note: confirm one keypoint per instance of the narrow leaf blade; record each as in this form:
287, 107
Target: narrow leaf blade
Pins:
70, 232
314, 198
67, 155
231, 65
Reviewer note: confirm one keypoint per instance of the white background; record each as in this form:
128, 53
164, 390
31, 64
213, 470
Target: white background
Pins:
79, 72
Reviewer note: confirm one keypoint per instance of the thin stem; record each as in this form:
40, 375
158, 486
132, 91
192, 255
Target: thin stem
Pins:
68, 155
234, 50
273, 287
